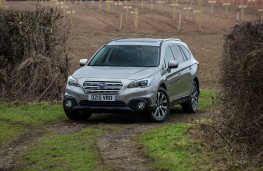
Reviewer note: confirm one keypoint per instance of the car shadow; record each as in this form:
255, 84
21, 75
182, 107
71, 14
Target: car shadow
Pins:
176, 115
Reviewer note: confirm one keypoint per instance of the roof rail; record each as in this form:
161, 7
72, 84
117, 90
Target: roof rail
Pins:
115, 39
176, 39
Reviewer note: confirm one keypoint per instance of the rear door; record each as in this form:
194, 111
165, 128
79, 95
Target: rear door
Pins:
173, 76
182, 87
188, 66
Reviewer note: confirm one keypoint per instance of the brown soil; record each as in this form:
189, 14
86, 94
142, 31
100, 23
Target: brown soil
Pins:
119, 152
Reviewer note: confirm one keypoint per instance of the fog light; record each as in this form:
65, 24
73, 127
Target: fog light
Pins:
69, 103
141, 105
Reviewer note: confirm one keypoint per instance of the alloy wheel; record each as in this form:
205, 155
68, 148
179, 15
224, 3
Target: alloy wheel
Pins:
194, 97
161, 106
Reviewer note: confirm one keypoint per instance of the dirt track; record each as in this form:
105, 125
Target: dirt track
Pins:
117, 150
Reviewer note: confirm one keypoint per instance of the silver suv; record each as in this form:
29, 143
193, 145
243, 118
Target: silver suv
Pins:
142, 75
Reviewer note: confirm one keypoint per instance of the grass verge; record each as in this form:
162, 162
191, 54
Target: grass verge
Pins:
17, 120
208, 99
172, 149
30, 114
63, 151
8, 132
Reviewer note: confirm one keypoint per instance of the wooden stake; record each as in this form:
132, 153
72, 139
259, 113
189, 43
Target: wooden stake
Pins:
198, 14
161, 4
187, 8
4, 5
120, 21
174, 9
142, 2
100, 5
108, 2
119, 4
71, 12
212, 2
261, 10
179, 22
59, 4
135, 12
227, 4
255, 2
64, 8
127, 8
242, 6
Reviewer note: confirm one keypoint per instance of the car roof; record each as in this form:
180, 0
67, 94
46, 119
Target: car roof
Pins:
139, 41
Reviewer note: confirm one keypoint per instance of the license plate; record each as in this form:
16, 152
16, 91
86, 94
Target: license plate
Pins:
101, 98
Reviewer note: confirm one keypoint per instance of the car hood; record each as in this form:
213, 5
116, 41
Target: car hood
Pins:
114, 72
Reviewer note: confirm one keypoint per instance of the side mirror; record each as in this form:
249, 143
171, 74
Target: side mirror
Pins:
83, 62
173, 64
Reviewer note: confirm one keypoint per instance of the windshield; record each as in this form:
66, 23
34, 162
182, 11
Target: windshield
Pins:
127, 56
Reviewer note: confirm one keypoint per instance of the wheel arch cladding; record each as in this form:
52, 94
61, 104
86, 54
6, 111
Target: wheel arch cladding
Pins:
163, 86
197, 82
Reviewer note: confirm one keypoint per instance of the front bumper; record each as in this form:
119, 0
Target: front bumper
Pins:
126, 99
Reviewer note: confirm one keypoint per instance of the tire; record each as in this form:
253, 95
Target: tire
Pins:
192, 105
77, 115
162, 108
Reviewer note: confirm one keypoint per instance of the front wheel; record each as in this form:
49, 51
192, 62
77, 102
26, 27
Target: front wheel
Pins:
161, 109
192, 104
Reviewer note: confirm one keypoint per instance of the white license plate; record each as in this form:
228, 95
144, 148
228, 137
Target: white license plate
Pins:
101, 97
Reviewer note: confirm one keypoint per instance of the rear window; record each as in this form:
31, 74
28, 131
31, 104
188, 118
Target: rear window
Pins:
177, 53
186, 52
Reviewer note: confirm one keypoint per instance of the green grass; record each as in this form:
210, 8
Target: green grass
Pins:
8, 132
172, 149
208, 99
60, 151
30, 114
17, 120
77, 151
54, 150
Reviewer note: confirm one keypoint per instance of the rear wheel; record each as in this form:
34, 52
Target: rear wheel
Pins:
192, 105
77, 115
162, 108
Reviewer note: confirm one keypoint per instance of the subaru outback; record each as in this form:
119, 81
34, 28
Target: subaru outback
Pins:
139, 75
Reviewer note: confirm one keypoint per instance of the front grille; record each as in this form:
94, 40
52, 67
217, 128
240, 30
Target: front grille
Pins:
102, 103
102, 87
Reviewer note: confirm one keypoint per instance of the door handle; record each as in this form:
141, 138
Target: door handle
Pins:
190, 68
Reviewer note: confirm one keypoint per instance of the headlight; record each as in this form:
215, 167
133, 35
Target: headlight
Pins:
73, 82
140, 83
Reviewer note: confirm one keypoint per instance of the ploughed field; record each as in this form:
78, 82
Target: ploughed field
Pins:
93, 24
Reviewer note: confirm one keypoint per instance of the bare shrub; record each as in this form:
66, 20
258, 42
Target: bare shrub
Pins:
241, 118
239, 121
33, 55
